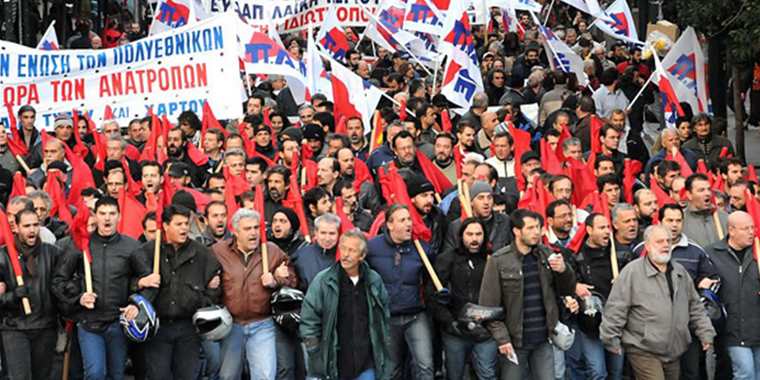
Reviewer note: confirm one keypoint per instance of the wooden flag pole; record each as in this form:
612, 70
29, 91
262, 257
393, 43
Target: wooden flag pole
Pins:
428, 266
613, 257
87, 272
718, 227
24, 301
157, 253
23, 163
264, 258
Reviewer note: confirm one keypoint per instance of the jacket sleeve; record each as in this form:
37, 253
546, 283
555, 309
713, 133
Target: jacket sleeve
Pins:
66, 286
443, 269
281, 258
213, 268
450, 244
311, 316
490, 295
565, 281
140, 269
705, 268
698, 320
7, 300
616, 310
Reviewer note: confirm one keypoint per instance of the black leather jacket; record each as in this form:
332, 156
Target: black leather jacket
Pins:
37, 263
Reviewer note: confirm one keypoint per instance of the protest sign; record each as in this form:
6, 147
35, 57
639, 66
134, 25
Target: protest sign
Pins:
169, 73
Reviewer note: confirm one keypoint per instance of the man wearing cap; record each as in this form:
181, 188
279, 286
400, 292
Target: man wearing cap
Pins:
530, 163
284, 231
315, 137
421, 192
262, 136
176, 147
179, 173
497, 226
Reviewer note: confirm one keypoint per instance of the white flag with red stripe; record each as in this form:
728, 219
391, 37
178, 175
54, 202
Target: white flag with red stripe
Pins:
686, 63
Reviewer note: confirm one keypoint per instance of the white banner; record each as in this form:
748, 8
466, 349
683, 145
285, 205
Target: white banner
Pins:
169, 73
294, 15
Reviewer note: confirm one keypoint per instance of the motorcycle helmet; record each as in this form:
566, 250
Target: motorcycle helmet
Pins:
145, 325
212, 322
714, 308
563, 336
286, 308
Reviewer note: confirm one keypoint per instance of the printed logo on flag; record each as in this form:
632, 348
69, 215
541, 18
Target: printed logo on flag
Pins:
262, 49
336, 43
173, 14
49, 45
685, 70
421, 12
461, 37
392, 19
619, 23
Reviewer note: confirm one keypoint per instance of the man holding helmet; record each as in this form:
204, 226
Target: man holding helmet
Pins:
247, 287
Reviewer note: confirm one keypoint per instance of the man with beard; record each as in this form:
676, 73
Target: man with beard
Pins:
425, 123
706, 144
420, 192
732, 171
314, 135
359, 217
466, 137
498, 232
626, 225
645, 297
215, 216
367, 195
631, 143
277, 179
461, 272
152, 178
443, 150
405, 151
531, 311
285, 231
355, 133
320, 254
524, 63
176, 146
503, 159
559, 220
610, 138
316, 202
736, 195
28, 339
645, 204
701, 270
698, 221
594, 270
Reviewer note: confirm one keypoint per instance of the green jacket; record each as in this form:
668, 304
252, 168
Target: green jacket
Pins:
319, 320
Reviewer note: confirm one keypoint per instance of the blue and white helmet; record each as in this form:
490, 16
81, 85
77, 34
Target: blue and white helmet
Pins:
145, 325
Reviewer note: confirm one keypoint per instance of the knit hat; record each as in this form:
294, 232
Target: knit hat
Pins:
179, 170
185, 199
293, 133
295, 224
63, 120
479, 187
313, 132
417, 184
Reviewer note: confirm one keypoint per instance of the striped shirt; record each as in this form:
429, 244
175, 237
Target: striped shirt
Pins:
534, 314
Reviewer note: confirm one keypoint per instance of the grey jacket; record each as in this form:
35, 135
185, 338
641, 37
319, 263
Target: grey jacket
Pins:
699, 226
641, 315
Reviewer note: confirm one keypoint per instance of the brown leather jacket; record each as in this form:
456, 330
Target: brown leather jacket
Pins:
243, 293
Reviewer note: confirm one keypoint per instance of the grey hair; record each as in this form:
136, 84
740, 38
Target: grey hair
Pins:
651, 229
622, 206
119, 138
23, 199
356, 234
571, 141
39, 194
234, 152
328, 218
306, 106
109, 122
480, 100
668, 131
244, 213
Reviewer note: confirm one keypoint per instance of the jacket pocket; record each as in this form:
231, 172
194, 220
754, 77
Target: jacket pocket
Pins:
511, 280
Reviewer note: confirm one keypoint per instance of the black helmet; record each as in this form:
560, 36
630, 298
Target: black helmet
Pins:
286, 308
145, 325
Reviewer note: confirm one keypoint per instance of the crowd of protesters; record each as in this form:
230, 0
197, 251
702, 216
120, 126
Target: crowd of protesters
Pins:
491, 244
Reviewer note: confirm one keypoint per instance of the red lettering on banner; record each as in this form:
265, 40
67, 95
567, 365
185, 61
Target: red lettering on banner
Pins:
153, 80
67, 90
21, 94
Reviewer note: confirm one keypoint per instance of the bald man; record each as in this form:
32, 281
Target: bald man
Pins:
740, 293
488, 123
650, 308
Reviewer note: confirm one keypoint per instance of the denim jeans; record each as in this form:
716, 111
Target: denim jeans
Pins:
257, 341
103, 353
290, 358
745, 362
212, 353
573, 360
366, 375
29, 353
412, 332
538, 362
175, 352
599, 362
458, 349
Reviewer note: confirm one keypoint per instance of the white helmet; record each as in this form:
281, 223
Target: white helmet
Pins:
212, 322
563, 336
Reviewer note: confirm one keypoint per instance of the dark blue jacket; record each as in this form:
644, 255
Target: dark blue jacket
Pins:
380, 157
403, 278
310, 260
688, 155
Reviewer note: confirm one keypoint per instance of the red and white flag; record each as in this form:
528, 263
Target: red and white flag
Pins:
49, 40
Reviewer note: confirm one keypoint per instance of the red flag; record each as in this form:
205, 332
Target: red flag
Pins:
132, 214
751, 174
345, 222
446, 121
576, 243
753, 209
209, 121
458, 160
79, 147
439, 180
234, 186
98, 142
54, 188
399, 194
19, 185
596, 128
663, 198
376, 135
724, 153
80, 236
258, 202
550, 161
10, 245
377, 224
584, 181
675, 155
402, 110
564, 135
196, 155
108, 113
522, 145
16, 143
133, 187
150, 150
536, 198
631, 169
81, 174
340, 127
361, 174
